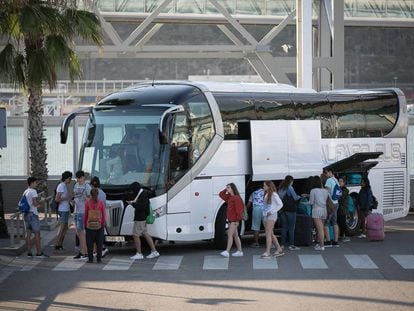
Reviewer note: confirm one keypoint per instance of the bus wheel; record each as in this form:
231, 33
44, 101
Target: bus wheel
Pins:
353, 220
220, 227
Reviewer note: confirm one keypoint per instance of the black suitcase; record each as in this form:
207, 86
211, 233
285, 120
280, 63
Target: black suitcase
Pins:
303, 230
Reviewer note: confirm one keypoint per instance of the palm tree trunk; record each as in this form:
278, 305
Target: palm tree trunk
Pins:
37, 140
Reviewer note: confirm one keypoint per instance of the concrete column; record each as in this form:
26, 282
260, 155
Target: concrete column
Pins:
304, 43
338, 44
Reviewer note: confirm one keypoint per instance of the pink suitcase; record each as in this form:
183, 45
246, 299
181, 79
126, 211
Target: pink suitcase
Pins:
375, 227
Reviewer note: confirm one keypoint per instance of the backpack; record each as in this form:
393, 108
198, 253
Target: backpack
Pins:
24, 205
289, 204
94, 219
336, 193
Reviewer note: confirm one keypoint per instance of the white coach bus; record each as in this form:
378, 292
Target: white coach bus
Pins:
185, 141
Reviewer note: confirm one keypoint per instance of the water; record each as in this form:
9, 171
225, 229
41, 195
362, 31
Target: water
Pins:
13, 161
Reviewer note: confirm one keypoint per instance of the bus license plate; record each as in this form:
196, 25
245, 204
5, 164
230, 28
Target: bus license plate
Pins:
114, 239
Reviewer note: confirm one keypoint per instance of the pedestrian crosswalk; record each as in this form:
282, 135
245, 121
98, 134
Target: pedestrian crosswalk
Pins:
209, 262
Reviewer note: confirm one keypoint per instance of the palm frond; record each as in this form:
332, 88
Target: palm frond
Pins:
12, 66
39, 69
75, 69
85, 24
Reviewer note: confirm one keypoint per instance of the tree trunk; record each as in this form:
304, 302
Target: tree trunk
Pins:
37, 140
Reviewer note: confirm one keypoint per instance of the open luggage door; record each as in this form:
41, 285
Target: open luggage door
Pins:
355, 163
285, 147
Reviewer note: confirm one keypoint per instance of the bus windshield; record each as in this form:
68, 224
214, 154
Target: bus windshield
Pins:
121, 146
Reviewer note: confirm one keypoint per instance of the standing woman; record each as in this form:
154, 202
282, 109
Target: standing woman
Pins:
364, 204
272, 204
318, 198
94, 221
288, 213
235, 209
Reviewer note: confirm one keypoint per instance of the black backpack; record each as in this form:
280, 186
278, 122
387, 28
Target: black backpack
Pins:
289, 204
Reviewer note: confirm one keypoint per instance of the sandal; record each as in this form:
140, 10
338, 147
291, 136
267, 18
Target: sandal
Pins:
266, 256
278, 254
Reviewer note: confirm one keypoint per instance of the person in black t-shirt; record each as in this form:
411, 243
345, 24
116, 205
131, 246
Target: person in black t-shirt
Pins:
141, 205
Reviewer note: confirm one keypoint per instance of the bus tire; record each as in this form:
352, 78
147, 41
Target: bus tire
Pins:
353, 221
220, 234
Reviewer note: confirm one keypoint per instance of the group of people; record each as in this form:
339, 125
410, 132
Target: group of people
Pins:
89, 210
268, 203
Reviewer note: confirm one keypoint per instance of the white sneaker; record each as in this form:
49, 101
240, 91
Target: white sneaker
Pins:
225, 254
319, 248
294, 248
153, 255
362, 236
237, 254
104, 252
137, 256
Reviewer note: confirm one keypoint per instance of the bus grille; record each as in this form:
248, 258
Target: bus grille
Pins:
403, 158
113, 218
394, 191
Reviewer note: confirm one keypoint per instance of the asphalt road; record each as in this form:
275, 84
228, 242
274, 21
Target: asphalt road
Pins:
360, 275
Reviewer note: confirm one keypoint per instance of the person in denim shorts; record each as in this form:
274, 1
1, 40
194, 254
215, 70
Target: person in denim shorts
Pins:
31, 219
81, 191
63, 198
331, 220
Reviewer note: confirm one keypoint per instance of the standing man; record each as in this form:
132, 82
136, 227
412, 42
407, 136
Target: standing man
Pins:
334, 189
31, 219
63, 198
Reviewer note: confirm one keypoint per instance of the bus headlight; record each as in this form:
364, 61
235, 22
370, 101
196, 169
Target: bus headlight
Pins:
161, 211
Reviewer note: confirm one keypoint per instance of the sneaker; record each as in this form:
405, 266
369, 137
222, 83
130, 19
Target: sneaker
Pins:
29, 255
78, 256
335, 244
345, 239
153, 254
104, 252
327, 244
237, 254
59, 247
294, 248
319, 248
42, 255
225, 254
137, 256
362, 236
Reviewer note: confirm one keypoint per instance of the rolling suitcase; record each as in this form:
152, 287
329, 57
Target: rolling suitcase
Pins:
375, 227
303, 230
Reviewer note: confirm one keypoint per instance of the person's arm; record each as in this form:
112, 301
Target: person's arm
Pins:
102, 208
224, 195
240, 208
291, 191
85, 217
277, 201
312, 197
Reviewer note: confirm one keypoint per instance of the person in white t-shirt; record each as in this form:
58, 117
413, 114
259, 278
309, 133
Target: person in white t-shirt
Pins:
331, 220
31, 219
63, 198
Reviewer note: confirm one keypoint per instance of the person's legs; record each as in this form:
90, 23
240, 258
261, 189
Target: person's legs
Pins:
284, 221
268, 231
150, 242
137, 242
274, 240
63, 218
230, 235
99, 237
256, 237
256, 222
29, 241
291, 218
237, 240
319, 230
89, 244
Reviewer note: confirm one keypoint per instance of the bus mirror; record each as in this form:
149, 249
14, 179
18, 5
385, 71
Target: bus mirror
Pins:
66, 122
162, 132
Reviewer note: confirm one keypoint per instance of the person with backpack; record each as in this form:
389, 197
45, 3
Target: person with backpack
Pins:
365, 201
141, 204
63, 199
343, 209
81, 191
335, 192
31, 218
235, 208
94, 222
288, 213
96, 183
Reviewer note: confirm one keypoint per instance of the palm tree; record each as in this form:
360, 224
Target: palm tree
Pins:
38, 43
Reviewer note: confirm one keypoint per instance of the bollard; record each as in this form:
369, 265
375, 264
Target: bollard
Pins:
12, 231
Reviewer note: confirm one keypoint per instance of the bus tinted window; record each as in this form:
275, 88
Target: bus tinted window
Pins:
273, 106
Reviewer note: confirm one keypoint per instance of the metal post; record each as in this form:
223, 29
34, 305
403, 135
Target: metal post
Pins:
26, 156
304, 43
12, 231
75, 145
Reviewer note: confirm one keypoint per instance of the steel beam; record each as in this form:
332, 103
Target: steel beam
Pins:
304, 43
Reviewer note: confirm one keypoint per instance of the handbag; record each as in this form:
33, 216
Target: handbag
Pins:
330, 207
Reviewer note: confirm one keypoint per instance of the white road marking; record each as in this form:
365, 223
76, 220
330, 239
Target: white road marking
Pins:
118, 264
360, 262
69, 264
264, 263
312, 262
405, 261
215, 263
168, 263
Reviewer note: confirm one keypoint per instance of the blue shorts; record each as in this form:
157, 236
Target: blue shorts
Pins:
80, 226
331, 220
31, 222
64, 217
256, 217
